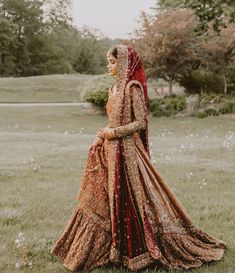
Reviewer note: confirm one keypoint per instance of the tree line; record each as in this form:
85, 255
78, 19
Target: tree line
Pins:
190, 42
38, 37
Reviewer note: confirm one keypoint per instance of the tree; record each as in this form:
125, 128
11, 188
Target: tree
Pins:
206, 10
26, 17
58, 12
7, 30
167, 43
37, 37
220, 50
91, 52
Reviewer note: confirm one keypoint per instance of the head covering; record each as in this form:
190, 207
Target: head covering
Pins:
130, 70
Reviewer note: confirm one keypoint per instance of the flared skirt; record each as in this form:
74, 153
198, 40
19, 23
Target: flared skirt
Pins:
164, 237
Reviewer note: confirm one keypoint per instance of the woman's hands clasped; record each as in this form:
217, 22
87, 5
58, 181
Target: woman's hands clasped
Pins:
108, 133
103, 133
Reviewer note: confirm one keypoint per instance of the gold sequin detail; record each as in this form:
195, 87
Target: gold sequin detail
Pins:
172, 240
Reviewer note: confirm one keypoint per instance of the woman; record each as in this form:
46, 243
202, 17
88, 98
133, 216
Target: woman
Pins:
127, 214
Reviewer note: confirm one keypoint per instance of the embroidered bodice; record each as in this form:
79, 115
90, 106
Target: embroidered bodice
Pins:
137, 108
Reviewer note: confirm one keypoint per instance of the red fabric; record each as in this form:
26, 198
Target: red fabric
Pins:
127, 226
127, 229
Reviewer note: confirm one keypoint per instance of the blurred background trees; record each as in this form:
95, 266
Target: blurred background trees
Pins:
38, 37
191, 43
206, 10
168, 44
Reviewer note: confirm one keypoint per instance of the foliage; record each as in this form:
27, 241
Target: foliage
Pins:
208, 105
206, 10
215, 104
26, 38
211, 104
91, 53
58, 12
38, 38
219, 51
202, 80
174, 51
227, 107
98, 98
224, 108
201, 114
167, 43
167, 106
212, 98
211, 112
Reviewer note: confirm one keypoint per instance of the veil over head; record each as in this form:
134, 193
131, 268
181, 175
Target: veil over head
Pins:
130, 71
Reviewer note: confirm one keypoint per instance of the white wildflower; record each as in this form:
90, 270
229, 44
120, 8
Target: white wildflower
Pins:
17, 265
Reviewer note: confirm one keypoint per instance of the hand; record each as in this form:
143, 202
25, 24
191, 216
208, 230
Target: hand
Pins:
97, 142
108, 133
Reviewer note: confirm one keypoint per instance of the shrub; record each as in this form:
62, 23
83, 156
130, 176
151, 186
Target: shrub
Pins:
152, 105
227, 107
158, 109
211, 112
98, 98
201, 115
194, 81
167, 106
212, 98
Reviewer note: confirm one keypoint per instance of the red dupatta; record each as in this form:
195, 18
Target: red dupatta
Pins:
134, 72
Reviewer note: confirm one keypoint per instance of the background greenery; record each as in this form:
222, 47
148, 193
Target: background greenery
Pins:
191, 43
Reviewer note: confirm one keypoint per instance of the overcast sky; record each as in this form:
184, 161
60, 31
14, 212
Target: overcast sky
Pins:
114, 19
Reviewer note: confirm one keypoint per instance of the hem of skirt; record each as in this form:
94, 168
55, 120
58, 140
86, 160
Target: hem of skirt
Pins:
144, 260
133, 264
199, 263
63, 251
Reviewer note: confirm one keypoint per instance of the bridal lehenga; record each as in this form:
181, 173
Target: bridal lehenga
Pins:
126, 213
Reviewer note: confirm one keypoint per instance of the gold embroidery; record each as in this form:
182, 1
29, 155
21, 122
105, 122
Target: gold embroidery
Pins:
172, 240
137, 105
114, 118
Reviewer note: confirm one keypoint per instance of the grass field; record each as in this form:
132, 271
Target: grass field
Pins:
43, 151
59, 88
52, 88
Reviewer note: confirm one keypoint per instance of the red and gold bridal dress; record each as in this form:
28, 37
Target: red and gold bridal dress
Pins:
127, 214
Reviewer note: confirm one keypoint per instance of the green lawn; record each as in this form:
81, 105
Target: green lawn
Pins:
52, 88
43, 151
58, 88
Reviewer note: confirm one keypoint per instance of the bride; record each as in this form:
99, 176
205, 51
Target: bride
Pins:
127, 215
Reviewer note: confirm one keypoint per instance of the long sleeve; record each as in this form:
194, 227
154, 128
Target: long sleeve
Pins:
138, 106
